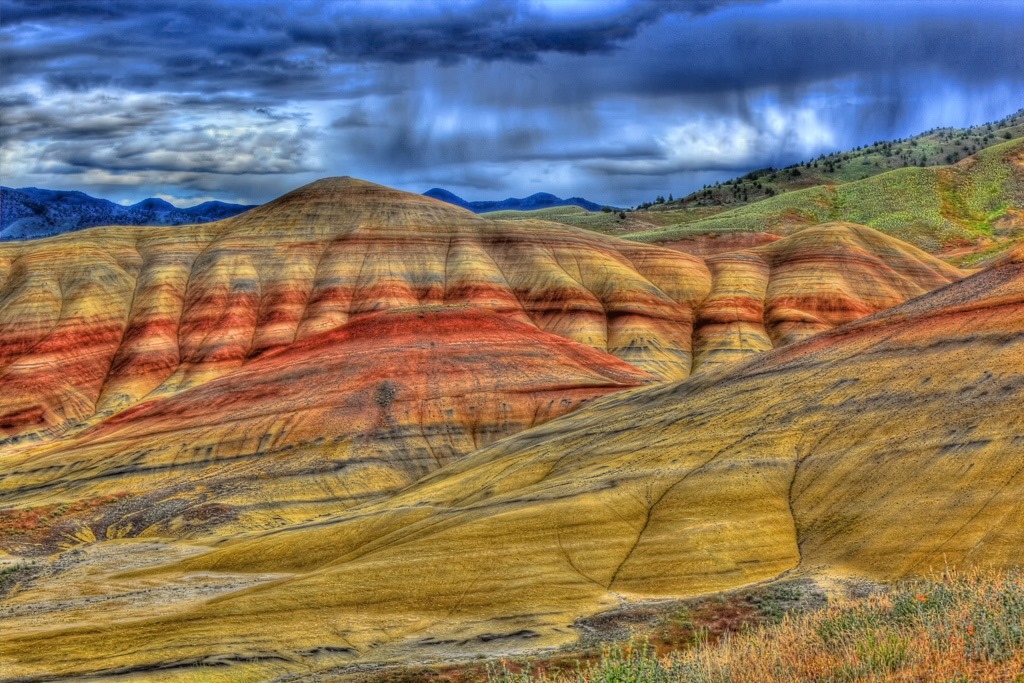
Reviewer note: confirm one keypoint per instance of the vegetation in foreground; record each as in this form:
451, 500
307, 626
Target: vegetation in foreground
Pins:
960, 628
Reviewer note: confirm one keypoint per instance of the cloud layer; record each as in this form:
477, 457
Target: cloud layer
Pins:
616, 100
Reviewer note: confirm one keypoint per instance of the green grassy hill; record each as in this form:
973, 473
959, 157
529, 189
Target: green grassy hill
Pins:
937, 147
608, 223
977, 202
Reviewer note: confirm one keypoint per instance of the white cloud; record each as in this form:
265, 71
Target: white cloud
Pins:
115, 138
705, 143
185, 202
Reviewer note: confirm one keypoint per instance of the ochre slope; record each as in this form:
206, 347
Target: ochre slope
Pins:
94, 322
812, 281
361, 410
883, 448
235, 375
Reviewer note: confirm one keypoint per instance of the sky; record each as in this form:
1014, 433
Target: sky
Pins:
614, 100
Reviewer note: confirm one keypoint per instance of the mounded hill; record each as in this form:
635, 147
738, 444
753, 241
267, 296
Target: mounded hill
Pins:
344, 415
883, 448
94, 322
812, 281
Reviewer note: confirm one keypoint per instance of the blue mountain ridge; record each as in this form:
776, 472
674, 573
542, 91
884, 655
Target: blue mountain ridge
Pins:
540, 200
32, 212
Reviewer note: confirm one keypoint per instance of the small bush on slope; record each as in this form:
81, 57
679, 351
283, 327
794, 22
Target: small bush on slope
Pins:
961, 628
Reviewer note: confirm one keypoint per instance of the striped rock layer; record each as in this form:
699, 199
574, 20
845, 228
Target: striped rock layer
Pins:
336, 418
884, 448
100, 320
347, 339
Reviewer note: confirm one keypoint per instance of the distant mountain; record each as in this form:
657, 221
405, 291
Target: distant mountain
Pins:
31, 212
540, 200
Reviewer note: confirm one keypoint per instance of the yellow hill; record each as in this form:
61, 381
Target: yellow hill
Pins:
883, 448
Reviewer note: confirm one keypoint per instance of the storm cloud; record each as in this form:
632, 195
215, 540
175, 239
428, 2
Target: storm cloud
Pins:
616, 100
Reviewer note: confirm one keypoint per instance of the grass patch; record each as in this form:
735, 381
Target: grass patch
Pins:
928, 207
937, 147
913, 189
962, 627
976, 259
663, 629
11, 575
611, 223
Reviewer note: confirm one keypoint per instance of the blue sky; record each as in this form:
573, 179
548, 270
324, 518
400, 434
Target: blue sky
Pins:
614, 100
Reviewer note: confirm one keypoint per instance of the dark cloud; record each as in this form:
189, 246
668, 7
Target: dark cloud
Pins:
789, 52
293, 47
619, 100
303, 49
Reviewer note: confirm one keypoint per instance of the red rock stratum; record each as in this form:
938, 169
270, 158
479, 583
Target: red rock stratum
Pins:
97, 321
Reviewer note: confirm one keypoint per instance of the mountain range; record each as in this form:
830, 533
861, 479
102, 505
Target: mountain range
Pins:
540, 200
30, 212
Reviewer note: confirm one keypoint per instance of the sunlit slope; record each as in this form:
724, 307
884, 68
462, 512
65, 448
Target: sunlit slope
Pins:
812, 281
94, 322
343, 415
883, 448
978, 201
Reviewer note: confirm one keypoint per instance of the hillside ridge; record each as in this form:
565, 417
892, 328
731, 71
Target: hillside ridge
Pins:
179, 307
536, 201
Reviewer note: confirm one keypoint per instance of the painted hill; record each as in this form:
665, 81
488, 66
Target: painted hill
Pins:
316, 427
880, 449
790, 289
347, 339
97, 321
355, 423
539, 200
30, 212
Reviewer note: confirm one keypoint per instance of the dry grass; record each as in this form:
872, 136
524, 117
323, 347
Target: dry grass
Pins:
962, 627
